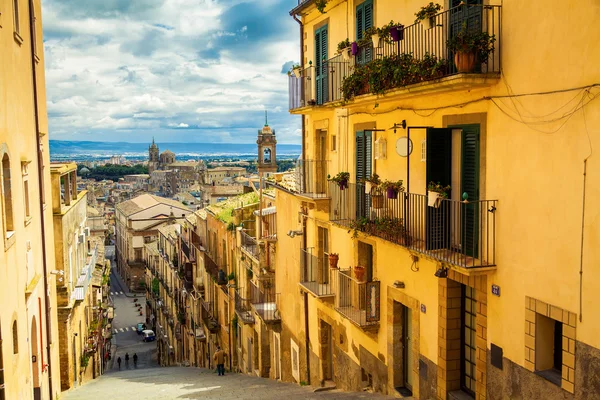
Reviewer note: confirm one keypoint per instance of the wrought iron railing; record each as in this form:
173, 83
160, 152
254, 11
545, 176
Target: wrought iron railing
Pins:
264, 300
269, 223
321, 84
461, 233
356, 300
311, 178
243, 307
249, 244
314, 273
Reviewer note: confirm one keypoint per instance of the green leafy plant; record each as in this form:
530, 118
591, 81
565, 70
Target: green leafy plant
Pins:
397, 186
358, 225
231, 276
320, 4
84, 361
439, 188
385, 31
472, 40
234, 324
343, 45
340, 177
231, 227
428, 11
249, 273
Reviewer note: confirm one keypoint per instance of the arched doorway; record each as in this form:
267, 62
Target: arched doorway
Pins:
35, 362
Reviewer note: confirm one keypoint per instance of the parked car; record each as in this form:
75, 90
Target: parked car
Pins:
141, 327
149, 335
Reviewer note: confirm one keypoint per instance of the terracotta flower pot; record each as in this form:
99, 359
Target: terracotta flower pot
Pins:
359, 272
333, 260
465, 61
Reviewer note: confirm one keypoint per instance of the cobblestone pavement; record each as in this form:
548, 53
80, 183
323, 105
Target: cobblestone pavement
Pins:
196, 383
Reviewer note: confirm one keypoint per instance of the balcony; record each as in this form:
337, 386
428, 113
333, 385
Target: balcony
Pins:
268, 222
243, 307
311, 178
214, 270
187, 251
265, 301
419, 63
460, 233
358, 301
250, 244
83, 282
314, 273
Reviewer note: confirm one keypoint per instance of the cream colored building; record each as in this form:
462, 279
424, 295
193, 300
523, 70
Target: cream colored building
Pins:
136, 223
29, 360
215, 176
489, 293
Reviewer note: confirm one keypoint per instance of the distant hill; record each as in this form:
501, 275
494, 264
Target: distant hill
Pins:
63, 149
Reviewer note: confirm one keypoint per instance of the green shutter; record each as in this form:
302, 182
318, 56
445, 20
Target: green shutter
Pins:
321, 43
363, 169
469, 181
364, 20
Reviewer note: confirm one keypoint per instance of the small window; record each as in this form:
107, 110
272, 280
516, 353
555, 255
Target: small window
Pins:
7, 194
424, 150
26, 198
333, 143
15, 338
16, 16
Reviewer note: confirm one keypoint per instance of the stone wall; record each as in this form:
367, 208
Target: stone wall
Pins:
516, 382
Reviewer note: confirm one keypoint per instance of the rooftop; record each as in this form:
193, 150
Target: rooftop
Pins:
223, 209
146, 201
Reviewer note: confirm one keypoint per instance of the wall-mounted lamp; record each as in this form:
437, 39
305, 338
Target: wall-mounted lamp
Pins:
398, 125
398, 285
293, 234
442, 272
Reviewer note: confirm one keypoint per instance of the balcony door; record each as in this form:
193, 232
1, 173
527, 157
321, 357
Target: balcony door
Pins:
469, 184
364, 169
321, 43
438, 169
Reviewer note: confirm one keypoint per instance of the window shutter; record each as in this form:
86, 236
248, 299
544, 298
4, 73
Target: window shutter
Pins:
359, 22
368, 12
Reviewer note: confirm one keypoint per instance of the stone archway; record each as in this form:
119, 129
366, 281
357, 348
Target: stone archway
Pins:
35, 360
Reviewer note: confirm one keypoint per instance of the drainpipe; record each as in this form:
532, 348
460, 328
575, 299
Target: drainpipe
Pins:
40, 161
307, 336
301, 58
303, 220
582, 241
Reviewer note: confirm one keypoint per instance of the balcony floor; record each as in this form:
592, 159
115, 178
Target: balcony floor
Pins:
318, 289
267, 311
245, 316
358, 317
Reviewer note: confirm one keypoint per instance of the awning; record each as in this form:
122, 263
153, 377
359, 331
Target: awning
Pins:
266, 211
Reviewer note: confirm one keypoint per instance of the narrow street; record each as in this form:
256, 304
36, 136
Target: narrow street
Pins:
127, 315
195, 383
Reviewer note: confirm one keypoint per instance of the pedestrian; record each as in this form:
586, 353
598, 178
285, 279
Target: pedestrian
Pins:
127, 360
119, 362
135, 358
219, 358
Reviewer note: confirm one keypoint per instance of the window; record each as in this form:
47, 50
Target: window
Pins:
16, 16
364, 21
26, 198
333, 143
7, 195
15, 338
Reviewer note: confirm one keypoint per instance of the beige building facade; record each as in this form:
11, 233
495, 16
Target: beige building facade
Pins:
29, 366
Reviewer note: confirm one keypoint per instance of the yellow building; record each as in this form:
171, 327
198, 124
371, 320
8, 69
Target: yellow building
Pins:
29, 360
488, 292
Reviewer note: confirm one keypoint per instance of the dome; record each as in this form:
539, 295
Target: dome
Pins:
167, 153
84, 170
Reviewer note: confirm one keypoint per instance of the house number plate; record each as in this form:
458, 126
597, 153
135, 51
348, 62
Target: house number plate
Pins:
496, 290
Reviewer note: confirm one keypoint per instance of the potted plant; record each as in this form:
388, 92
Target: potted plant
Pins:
373, 34
392, 188
435, 193
397, 32
371, 183
354, 48
312, 102
297, 70
333, 260
470, 46
427, 15
341, 179
359, 272
343, 48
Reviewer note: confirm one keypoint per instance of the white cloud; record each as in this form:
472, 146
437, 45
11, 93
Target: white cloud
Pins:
145, 71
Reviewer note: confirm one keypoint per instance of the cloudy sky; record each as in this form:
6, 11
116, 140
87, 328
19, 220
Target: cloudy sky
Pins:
179, 70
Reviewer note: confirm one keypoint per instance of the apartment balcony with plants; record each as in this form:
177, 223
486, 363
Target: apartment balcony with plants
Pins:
455, 49
458, 232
